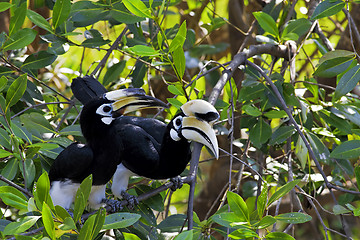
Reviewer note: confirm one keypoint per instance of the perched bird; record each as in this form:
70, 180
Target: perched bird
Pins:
155, 150
103, 149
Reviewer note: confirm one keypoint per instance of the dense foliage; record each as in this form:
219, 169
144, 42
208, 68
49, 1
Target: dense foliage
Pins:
297, 139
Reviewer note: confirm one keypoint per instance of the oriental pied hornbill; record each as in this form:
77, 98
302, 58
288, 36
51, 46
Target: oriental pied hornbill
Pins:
103, 150
155, 150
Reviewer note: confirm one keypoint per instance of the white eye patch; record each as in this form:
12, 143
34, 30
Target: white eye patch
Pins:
104, 110
174, 135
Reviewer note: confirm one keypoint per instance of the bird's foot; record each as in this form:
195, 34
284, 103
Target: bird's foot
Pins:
177, 183
131, 200
115, 205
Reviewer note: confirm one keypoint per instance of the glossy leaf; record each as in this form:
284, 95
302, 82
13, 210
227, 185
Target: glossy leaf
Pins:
228, 219
130, 236
262, 201
281, 134
293, 217
334, 63
279, 236
357, 175
16, 91
143, 50
39, 20
295, 29
243, 234
125, 16
265, 222
179, 61
20, 39
267, 23
347, 82
137, 7
238, 205
17, 20
347, 150
173, 223
5, 6
41, 191
10, 170
113, 73
179, 39
280, 192
120, 220
39, 60
176, 90
21, 226
61, 12
81, 198
3, 83
48, 221
327, 8
321, 151
186, 235
251, 110
260, 133
13, 197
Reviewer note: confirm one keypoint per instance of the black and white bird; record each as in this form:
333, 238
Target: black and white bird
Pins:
155, 150
103, 150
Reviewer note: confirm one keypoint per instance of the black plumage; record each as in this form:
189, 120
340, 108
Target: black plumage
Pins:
155, 150
103, 149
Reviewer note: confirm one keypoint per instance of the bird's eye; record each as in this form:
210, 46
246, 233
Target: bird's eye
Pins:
104, 110
177, 122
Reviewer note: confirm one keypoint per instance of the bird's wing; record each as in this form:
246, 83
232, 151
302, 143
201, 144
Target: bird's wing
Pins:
141, 149
86, 88
74, 163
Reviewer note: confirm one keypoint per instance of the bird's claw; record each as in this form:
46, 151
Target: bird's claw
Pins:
131, 200
177, 183
115, 205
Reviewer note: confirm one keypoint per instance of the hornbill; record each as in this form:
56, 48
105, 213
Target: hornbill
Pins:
155, 150
103, 150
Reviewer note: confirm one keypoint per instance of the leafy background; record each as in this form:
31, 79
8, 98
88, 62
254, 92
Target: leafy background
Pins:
283, 75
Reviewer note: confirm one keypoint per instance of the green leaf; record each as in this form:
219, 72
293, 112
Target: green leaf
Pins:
10, 170
48, 221
327, 8
265, 222
321, 151
229, 219
243, 233
125, 17
81, 198
267, 23
92, 226
61, 12
295, 29
13, 197
41, 191
3, 83
281, 134
120, 220
251, 92
187, 235
176, 90
338, 209
251, 110
155, 202
39, 60
20, 226
279, 236
179, 39
357, 175
347, 82
143, 50
20, 39
5, 6
173, 223
334, 63
260, 133
262, 200
138, 8
30, 171
347, 150
238, 206
113, 73
39, 20
175, 102
4, 153
130, 236
282, 191
179, 62
17, 20
293, 217
16, 91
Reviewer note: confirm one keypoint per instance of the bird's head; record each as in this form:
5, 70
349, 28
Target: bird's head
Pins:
99, 113
194, 123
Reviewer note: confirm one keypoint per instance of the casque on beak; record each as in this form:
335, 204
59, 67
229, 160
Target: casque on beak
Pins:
131, 99
197, 124
200, 131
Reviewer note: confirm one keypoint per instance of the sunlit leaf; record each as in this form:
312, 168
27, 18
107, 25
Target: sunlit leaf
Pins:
282, 191
137, 7
17, 20
39, 20
61, 12
293, 217
238, 205
267, 23
16, 91
327, 8
20, 39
